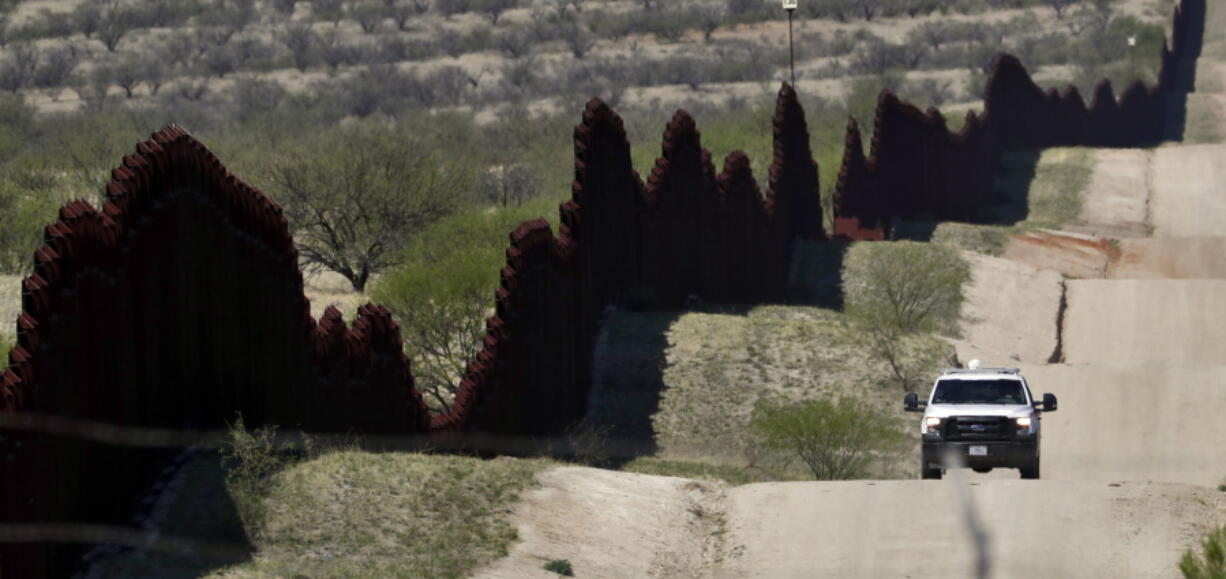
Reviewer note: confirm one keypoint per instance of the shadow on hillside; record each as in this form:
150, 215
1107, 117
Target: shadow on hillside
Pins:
817, 273
1010, 202
631, 358
198, 526
627, 382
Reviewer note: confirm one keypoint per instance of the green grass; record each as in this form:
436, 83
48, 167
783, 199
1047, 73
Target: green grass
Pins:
1052, 185
1054, 193
696, 376
358, 514
6, 343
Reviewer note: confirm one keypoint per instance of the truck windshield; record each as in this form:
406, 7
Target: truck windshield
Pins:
1006, 391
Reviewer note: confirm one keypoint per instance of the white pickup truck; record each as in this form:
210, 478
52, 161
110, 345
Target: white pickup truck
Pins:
985, 415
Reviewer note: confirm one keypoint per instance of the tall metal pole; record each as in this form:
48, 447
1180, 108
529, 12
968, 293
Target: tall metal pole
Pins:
791, 50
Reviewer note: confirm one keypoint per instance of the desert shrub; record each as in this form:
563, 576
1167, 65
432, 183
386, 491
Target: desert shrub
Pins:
493, 9
904, 285
251, 459
561, 567
929, 91
368, 15
834, 439
253, 97
669, 26
449, 8
507, 185
743, 11
1211, 563
303, 43
24, 209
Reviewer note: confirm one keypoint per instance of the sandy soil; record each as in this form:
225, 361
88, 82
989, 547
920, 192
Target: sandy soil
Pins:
1189, 198
1116, 203
1010, 311
1134, 421
1176, 321
916, 529
1183, 257
614, 524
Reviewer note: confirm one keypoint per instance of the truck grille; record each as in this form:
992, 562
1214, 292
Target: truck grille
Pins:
977, 428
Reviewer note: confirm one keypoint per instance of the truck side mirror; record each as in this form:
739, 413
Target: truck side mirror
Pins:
1049, 403
911, 403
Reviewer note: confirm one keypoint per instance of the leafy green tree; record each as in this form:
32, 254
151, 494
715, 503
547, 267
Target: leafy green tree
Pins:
355, 196
834, 439
897, 290
443, 291
908, 285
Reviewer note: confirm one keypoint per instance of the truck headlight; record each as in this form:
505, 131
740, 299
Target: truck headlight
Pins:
932, 424
1024, 423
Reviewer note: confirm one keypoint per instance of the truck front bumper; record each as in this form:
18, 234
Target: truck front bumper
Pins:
1008, 454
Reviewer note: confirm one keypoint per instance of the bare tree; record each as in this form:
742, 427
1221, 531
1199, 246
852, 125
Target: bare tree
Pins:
577, 38
933, 33
1060, 6
180, 49
154, 73
302, 43
507, 185
125, 74
87, 17
248, 48
54, 68
333, 50
369, 15
330, 10
514, 43
114, 25
494, 9
11, 79
353, 198
91, 92
914, 8
191, 89
449, 8
284, 7
868, 8
709, 17
669, 26
220, 61
402, 12
56, 24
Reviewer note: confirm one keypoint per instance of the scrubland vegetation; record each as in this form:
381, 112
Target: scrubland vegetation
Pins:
456, 116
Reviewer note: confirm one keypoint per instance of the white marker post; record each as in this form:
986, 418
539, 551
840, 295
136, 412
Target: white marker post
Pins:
790, 6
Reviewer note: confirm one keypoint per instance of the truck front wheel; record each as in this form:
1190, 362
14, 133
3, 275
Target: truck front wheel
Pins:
1031, 471
929, 473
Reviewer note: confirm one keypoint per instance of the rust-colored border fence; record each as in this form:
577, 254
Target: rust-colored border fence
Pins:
179, 302
916, 167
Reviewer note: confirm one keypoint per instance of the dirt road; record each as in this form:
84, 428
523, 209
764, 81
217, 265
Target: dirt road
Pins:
1130, 461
